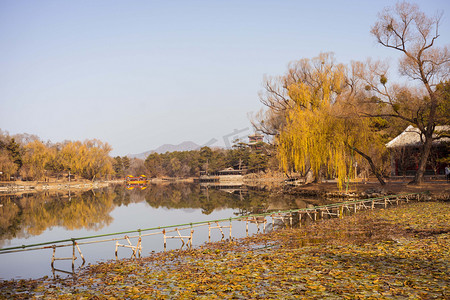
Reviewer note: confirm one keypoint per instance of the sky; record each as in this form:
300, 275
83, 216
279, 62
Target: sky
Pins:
139, 74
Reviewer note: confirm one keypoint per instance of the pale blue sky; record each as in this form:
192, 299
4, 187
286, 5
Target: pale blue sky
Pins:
138, 74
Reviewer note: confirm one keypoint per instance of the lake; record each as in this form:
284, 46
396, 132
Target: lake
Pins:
44, 217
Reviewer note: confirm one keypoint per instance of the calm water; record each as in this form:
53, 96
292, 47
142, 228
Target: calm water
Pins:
37, 218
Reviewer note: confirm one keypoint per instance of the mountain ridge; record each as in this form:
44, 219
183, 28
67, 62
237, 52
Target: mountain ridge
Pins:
184, 146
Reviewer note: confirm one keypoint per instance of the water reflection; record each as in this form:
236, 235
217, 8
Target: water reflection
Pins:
26, 215
43, 217
22, 216
179, 196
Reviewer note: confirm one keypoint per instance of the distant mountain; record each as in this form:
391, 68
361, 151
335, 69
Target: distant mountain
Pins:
184, 146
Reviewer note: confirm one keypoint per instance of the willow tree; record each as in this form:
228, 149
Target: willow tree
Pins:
322, 132
89, 159
35, 159
311, 138
308, 142
72, 157
96, 159
7, 165
329, 138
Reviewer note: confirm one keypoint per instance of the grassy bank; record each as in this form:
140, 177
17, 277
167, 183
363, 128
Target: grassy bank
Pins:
400, 252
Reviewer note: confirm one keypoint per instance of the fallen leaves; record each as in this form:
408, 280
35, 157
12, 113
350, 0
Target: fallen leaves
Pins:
401, 252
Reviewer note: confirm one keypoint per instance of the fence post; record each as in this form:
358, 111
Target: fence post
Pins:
164, 233
139, 246
73, 254
209, 232
246, 227
53, 256
231, 224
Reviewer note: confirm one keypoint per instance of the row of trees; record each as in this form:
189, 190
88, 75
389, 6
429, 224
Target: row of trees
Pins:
329, 117
190, 163
27, 157
32, 159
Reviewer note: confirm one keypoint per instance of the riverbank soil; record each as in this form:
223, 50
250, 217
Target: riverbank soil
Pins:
401, 252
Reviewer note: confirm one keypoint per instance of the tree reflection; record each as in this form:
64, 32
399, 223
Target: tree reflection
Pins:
28, 215
9, 218
181, 196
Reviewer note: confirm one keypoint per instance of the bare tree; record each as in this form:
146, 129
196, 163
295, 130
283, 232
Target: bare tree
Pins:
406, 29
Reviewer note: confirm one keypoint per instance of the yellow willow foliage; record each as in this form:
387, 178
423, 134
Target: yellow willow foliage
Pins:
72, 156
89, 159
319, 139
7, 165
98, 162
320, 131
317, 81
35, 159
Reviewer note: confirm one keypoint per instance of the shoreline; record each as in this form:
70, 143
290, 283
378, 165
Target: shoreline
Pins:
437, 189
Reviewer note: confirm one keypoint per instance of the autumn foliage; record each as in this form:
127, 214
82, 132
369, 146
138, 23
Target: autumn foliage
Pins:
34, 160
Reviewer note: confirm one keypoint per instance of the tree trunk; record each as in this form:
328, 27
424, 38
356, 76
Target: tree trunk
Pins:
428, 133
418, 178
372, 166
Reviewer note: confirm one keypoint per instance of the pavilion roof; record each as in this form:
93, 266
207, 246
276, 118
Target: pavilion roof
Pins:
410, 137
